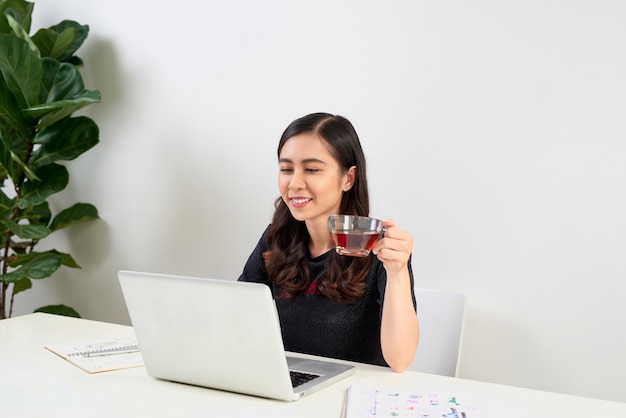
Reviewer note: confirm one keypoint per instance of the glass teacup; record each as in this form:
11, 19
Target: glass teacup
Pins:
354, 235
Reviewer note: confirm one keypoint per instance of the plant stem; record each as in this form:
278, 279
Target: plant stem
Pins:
9, 235
5, 285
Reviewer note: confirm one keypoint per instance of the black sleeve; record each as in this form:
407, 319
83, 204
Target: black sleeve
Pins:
254, 270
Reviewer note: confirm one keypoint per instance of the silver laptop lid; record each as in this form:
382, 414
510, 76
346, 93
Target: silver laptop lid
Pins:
182, 324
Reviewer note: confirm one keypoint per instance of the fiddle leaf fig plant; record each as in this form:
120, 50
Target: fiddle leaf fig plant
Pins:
40, 90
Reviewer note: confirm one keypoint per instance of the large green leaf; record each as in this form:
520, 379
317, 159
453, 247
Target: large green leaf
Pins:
82, 31
55, 111
62, 93
80, 212
22, 70
38, 215
38, 266
15, 21
6, 205
11, 115
19, 167
60, 81
54, 178
22, 285
23, 8
52, 43
59, 310
68, 260
65, 140
22, 259
27, 231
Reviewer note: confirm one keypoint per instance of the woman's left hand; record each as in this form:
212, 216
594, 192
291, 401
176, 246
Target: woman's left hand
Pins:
394, 248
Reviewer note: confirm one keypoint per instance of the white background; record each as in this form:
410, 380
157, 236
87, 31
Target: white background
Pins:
494, 132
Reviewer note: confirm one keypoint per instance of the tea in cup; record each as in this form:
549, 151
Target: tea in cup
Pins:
354, 235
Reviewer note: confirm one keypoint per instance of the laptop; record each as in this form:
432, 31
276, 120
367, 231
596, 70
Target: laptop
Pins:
219, 334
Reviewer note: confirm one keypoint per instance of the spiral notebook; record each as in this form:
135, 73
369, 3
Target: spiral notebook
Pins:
100, 355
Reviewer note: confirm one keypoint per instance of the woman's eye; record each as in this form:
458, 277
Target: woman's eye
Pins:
313, 170
285, 170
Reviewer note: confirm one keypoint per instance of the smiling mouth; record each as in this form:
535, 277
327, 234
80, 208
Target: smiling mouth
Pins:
300, 201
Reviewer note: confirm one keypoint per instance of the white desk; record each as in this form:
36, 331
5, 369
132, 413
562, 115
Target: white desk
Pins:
36, 383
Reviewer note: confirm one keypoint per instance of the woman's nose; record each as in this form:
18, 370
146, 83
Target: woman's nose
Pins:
297, 181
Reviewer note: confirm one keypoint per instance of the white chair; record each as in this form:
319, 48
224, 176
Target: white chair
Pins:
441, 316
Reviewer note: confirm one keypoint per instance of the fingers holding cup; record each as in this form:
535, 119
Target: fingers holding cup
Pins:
395, 247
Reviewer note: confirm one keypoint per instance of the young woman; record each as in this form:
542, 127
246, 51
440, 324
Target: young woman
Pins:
353, 308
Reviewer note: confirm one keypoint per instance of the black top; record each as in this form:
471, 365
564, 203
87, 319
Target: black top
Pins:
311, 323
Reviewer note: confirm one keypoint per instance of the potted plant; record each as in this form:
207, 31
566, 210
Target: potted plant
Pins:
40, 90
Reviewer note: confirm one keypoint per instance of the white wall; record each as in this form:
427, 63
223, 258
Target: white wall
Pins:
494, 132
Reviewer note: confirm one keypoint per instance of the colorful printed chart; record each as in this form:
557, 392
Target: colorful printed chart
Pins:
367, 401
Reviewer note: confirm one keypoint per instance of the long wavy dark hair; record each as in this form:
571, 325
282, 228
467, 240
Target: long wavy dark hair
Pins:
344, 279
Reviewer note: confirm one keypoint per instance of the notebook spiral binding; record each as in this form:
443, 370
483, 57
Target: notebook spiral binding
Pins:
105, 350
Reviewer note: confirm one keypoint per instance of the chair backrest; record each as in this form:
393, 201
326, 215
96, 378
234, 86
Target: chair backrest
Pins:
441, 316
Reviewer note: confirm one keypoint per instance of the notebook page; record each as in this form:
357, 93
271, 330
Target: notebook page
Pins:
100, 355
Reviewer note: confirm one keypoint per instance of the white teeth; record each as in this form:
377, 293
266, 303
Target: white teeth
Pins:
300, 201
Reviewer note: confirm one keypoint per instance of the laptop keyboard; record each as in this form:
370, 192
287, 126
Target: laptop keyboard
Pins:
299, 378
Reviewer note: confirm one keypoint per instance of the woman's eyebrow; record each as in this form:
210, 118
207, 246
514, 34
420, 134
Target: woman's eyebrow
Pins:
306, 160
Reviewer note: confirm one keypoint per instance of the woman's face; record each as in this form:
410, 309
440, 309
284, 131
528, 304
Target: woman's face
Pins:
310, 180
